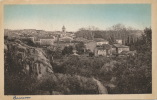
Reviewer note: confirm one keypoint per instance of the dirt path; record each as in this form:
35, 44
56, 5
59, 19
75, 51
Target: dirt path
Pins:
101, 88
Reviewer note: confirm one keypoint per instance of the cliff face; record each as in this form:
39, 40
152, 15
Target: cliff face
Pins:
25, 59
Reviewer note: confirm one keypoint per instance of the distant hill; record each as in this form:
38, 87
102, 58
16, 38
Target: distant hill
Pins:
26, 32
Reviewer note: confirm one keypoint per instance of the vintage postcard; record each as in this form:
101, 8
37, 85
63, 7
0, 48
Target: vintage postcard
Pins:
78, 49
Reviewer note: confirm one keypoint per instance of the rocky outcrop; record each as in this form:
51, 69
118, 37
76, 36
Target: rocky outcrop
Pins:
26, 59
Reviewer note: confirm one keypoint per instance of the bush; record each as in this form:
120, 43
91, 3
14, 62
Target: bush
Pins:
20, 84
67, 50
68, 84
133, 76
80, 47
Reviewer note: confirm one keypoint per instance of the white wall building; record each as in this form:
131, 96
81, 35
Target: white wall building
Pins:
102, 42
119, 41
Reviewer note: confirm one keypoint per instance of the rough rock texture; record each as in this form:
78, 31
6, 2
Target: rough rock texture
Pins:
26, 59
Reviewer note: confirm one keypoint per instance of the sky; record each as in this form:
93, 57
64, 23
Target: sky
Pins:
51, 17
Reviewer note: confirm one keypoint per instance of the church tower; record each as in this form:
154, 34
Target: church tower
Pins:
63, 29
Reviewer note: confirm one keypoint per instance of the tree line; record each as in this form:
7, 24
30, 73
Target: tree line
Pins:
119, 31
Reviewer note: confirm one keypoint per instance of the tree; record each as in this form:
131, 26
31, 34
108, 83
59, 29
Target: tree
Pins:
67, 50
118, 27
91, 54
87, 32
148, 38
80, 47
134, 74
144, 43
57, 53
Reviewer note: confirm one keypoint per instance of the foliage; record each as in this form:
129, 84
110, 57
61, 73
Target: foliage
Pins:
19, 83
130, 74
80, 47
86, 33
133, 76
68, 84
67, 50
91, 54
134, 73
80, 65
119, 31
57, 53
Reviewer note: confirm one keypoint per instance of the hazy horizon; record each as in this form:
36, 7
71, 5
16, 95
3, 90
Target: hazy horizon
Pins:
52, 17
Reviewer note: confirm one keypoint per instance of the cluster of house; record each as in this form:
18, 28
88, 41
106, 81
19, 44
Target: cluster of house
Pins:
103, 48
43, 40
98, 46
53, 39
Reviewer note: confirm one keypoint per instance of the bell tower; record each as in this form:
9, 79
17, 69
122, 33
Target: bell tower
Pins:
63, 29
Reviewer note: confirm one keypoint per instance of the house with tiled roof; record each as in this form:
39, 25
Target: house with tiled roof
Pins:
103, 50
118, 48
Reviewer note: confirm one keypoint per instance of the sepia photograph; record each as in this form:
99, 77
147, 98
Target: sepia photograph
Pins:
77, 49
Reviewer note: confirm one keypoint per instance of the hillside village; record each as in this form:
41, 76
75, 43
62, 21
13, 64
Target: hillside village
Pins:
62, 39
62, 62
